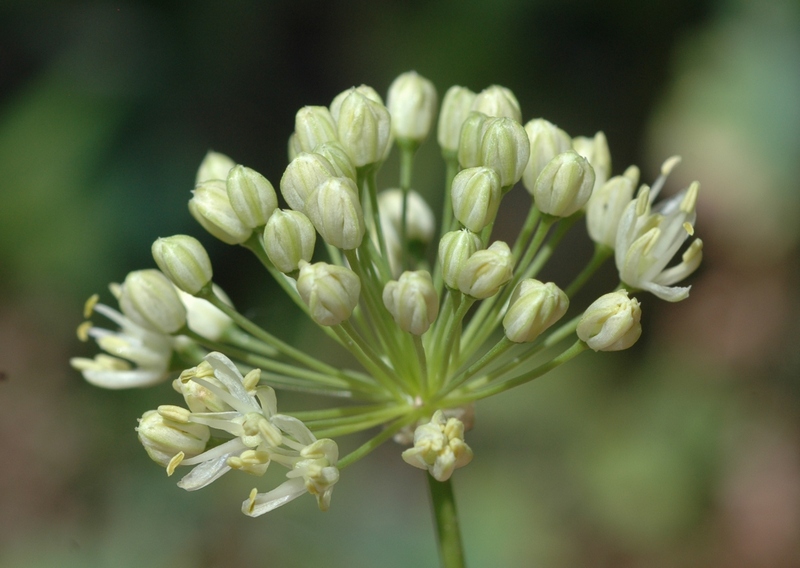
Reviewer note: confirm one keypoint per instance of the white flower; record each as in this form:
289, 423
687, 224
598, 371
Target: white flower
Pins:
647, 241
439, 447
137, 357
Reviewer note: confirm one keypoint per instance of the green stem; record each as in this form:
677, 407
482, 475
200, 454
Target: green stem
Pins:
376, 441
445, 516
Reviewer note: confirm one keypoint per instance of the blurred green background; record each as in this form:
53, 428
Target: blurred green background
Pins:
682, 452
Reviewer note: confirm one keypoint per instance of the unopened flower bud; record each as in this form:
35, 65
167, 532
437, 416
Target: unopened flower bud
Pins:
314, 125
204, 318
476, 197
163, 438
184, 261
564, 186
251, 195
611, 323
606, 205
534, 307
289, 238
412, 104
335, 210
412, 300
364, 128
213, 166
302, 176
456, 106
439, 447
469, 144
293, 147
331, 292
211, 208
505, 148
338, 159
497, 101
547, 142
149, 299
366, 90
486, 271
420, 221
455, 248
595, 150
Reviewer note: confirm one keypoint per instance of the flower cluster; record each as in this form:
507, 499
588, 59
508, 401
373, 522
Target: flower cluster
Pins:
438, 314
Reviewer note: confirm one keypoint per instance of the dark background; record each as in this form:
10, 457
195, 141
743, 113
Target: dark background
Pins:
682, 452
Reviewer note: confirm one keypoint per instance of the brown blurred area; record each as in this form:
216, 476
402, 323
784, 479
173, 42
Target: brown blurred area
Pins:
682, 452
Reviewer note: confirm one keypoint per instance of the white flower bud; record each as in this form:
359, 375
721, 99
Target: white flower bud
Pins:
314, 125
184, 261
534, 307
412, 104
606, 205
439, 447
486, 271
163, 438
203, 317
564, 186
338, 159
302, 176
334, 209
469, 145
289, 238
456, 106
476, 197
455, 248
366, 90
364, 128
547, 142
331, 292
293, 147
420, 221
497, 101
505, 148
611, 323
251, 195
596, 151
412, 300
150, 300
211, 208
213, 166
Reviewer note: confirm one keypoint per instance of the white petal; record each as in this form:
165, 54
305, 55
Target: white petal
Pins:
124, 379
205, 473
265, 502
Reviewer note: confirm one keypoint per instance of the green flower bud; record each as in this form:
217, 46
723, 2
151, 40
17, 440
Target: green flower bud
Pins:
302, 176
211, 208
476, 196
251, 195
149, 299
412, 104
420, 221
366, 90
289, 238
455, 248
497, 101
505, 148
611, 323
596, 151
564, 186
486, 271
364, 128
163, 438
547, 142
469, 145
331, 292
184, 261
314, 125
293, 147
455, 108
606, 205
338, 159
334, 209
534, 307
412, 300
213, 166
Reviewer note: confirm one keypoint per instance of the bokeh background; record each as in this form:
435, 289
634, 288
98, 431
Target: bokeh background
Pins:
682, 452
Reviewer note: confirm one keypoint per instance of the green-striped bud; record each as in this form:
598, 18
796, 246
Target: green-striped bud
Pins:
534, 307
469, 145
163, 438
338, 159
595, 150
412, 103
486, 271
497, 101
505, 148
564, 186
302, 176
455, 248
213, 166
412, 300
456, 106
184, 261
251, 195
314, 125
289, 238
476, 197
335, 210
149, 299
331, 292
547, 142
611, 323
211, 208
364, 128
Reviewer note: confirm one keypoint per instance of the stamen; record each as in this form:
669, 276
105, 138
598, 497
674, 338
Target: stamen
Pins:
88, 307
